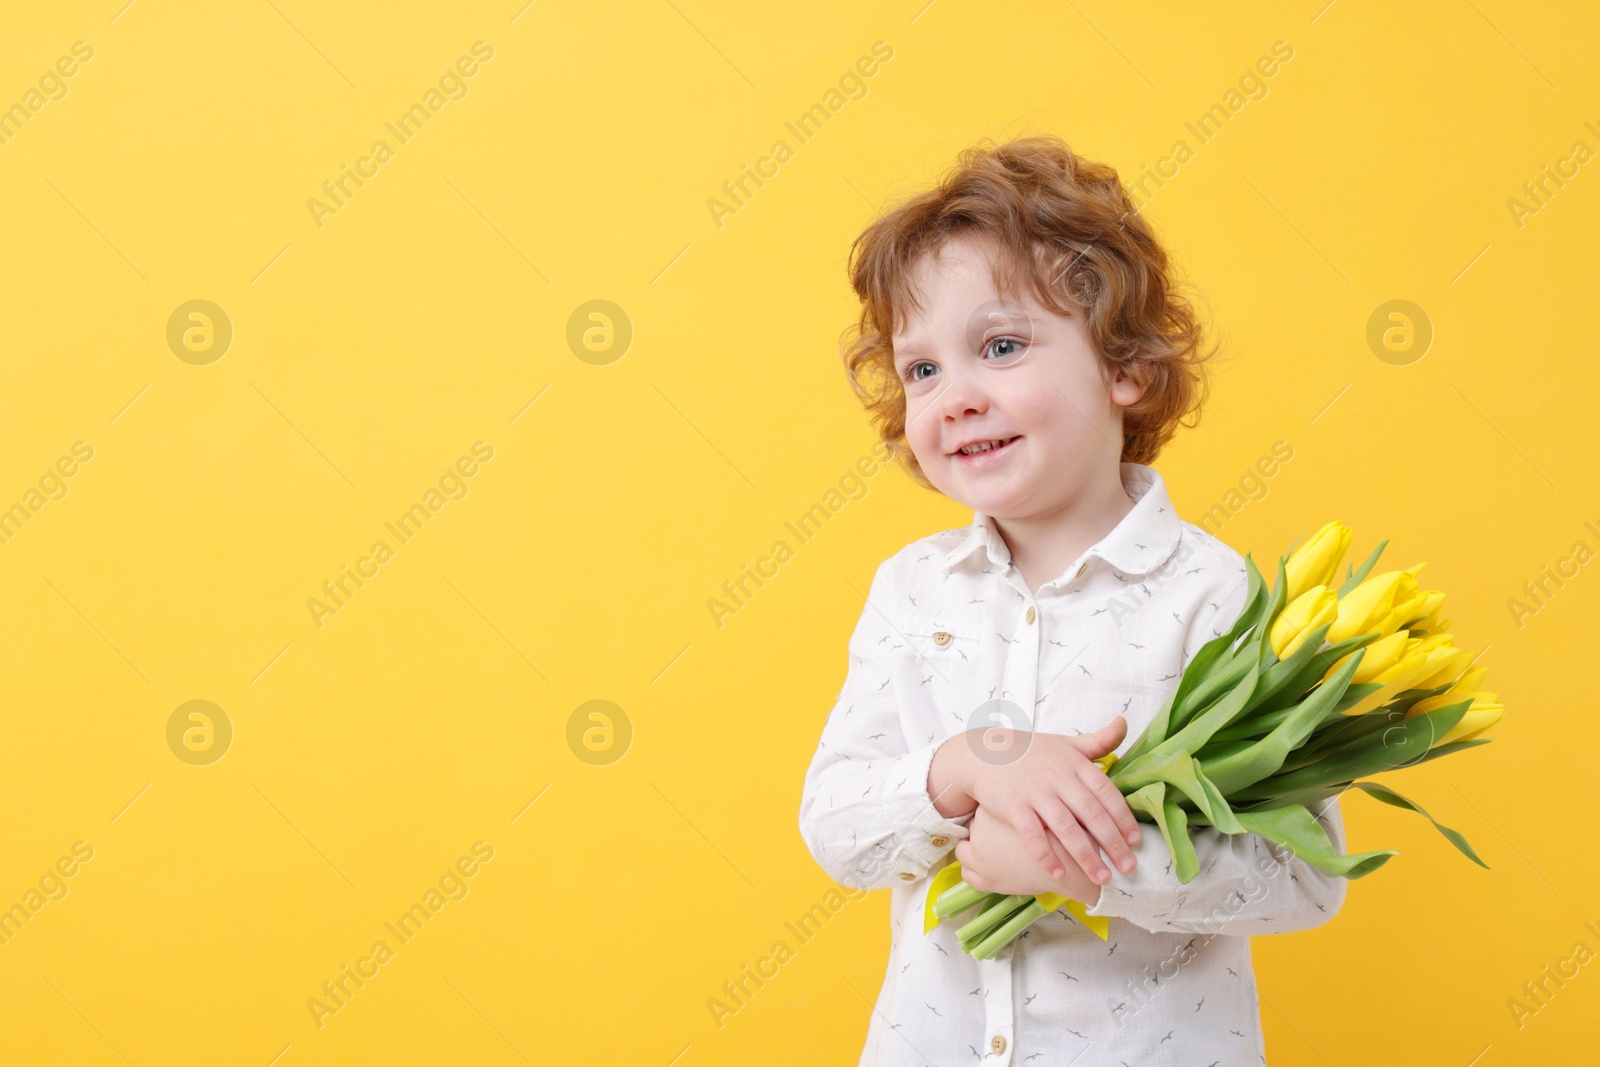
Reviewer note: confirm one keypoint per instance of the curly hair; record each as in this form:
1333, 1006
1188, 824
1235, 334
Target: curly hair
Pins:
1067, 227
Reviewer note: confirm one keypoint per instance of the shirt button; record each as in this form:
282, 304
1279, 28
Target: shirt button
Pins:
941, 638
998, 1044
938, 841
1030, 613
1081, 568
907, 876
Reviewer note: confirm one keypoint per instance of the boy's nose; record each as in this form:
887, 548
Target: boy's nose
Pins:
962, 394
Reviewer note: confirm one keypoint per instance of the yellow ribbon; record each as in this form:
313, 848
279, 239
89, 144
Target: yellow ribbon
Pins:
951, 874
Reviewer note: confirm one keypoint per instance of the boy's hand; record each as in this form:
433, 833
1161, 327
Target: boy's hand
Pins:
994, 860
1055, 790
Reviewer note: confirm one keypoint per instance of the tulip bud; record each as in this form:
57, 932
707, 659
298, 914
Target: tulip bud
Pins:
1380, 656
1486, 710
1317, 561
1432, 600
1377, 605
1464, 687
1420, 657
1311, 609
1458, 660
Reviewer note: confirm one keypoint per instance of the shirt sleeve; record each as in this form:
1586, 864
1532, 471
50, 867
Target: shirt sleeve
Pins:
1245, 884
865, 812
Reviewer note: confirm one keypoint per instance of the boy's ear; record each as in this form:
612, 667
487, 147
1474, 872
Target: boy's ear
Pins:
1125, 390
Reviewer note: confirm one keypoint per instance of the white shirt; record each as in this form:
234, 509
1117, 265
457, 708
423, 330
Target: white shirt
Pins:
949, 626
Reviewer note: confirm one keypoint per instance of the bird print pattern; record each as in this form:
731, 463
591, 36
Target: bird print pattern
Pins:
945, 643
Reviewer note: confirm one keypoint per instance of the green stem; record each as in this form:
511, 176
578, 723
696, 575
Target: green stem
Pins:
995, 942
958, 898
991, 917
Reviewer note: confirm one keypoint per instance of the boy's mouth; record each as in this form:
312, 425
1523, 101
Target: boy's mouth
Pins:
983, 453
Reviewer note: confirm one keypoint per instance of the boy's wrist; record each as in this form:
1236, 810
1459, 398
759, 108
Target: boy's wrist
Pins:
950, 778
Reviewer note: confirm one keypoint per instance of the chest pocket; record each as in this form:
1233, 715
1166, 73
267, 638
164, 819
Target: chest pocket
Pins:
946, 664
936, 641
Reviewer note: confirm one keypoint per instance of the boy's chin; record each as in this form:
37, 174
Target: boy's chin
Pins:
1001, 501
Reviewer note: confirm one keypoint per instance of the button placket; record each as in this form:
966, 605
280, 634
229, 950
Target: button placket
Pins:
1022, 665
998, 1014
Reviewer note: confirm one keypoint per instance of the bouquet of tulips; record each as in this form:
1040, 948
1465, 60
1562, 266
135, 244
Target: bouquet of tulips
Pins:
1313, 688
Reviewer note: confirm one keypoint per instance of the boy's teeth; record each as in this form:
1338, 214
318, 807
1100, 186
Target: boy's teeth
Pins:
985, 446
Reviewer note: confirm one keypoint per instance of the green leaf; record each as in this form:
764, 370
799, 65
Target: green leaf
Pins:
1287, 680
1294, 828
1288, 798
1193, 736
1454, 746
1404, 743
1232, 773
1389, 796
1346, 729
1355, 695
1163, 723
1180, 769
1156, 732
1172, 822
1225, 673
1357, 577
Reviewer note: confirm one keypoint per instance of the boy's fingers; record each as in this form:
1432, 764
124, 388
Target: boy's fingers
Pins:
1076, 841
1113, 801
1091, 813
1033, 835
1103, 740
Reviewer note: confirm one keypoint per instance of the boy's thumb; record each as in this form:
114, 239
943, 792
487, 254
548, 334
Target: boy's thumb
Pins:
1103, 740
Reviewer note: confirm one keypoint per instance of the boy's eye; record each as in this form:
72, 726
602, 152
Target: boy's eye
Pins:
1013, 348
1016, 346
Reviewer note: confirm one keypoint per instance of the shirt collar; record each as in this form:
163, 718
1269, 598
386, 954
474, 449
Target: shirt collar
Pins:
1144, 539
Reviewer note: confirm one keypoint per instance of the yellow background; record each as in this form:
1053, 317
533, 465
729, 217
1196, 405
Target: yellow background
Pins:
431, 311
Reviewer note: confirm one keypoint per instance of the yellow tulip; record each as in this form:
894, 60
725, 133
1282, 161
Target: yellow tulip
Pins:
1317, 561
1379, 605
1459, 660
1419, 658
1486, 710
1432, 600
1306, 612
1379, 657
1433, 624
1465, 686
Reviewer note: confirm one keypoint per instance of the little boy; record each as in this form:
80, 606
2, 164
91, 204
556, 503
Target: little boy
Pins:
1022, 350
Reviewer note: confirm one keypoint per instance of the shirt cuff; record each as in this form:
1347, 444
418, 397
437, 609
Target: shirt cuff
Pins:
1147, 895
925, 836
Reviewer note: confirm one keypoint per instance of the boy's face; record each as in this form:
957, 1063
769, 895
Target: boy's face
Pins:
978, 367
